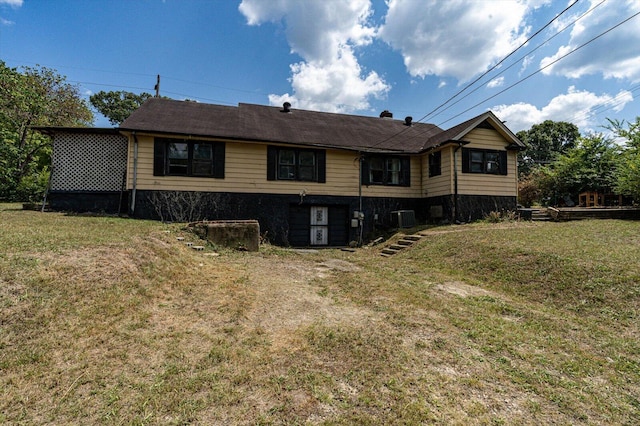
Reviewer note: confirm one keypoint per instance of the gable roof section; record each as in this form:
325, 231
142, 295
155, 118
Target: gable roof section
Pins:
258, 123
459, 131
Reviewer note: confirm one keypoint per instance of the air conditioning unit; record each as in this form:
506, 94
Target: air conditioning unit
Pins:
403, 218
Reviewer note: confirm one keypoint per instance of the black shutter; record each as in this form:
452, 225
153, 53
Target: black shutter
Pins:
272, 162
405, 169
321, 158
503, 162
364, 170
159, 150
218, 160
465, 160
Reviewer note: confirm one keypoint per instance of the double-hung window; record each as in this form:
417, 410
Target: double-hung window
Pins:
386, 170
484, 161
180, 157
296, 164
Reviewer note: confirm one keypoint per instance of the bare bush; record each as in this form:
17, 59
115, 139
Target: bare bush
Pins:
182, 206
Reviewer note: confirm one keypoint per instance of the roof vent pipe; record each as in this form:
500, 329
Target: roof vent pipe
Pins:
386, 114
407, 120
286, 107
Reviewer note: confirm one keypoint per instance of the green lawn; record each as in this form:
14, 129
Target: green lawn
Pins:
115, 321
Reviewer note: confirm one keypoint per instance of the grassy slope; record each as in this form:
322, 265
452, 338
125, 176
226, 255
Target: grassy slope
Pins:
106, 320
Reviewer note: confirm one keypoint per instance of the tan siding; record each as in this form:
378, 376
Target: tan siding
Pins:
443, 184
413, 191
485, 184
246, 172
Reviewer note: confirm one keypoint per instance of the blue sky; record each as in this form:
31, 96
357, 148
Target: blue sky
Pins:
355, 57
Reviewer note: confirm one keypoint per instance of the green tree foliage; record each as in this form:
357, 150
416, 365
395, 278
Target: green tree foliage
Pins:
628, 171
545, 141
33, 97
536, 187
590, 165
117, 105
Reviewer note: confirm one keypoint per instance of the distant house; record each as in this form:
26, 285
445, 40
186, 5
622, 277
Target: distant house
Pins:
309, 178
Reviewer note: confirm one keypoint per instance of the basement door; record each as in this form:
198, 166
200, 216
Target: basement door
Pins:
318, 226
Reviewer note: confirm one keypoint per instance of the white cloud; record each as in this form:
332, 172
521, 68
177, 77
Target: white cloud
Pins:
454, 38
12, 3
335, 87
325, 34
5, 21
496, 82
575, 106
614, 55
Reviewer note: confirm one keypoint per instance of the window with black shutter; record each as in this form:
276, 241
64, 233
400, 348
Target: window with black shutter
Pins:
386, 170
307, 165
484, 161
180, 157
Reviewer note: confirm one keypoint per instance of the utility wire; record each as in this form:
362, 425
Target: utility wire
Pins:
481, 76
501, 61
517, 61
543, 68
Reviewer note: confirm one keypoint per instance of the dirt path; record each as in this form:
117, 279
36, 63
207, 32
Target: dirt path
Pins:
289, 296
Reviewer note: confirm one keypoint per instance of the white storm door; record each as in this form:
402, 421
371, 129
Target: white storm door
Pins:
319, 226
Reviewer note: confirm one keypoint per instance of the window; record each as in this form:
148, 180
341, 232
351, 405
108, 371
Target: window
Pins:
435, 164
484, 161
179, 157
386, 170
296, 164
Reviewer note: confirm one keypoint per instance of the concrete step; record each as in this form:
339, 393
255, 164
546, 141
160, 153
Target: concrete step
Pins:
388, 251
403, 243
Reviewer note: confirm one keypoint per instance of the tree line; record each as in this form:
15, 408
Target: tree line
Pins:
557, 164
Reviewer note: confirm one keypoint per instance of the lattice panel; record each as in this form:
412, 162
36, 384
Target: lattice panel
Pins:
88, 162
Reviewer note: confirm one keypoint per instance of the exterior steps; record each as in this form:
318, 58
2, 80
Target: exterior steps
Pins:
402, 244
540, 216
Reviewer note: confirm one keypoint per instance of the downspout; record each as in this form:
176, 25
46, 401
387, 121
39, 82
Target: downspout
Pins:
455, 182
360, 214
135, 173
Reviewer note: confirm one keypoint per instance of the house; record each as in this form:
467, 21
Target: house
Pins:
309, 178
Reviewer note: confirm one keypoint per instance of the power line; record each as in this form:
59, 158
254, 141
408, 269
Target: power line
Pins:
540, 45
481, 76
604, 106
544, 67
501, 61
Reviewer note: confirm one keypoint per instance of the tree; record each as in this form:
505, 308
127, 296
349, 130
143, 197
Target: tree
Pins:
628, 171
545, 141
34, 97
589, 166
117, 105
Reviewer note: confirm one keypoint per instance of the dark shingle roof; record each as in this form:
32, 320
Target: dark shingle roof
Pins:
300, 127
457, 132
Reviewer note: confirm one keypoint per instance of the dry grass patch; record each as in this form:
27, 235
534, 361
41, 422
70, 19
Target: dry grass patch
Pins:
113, 321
